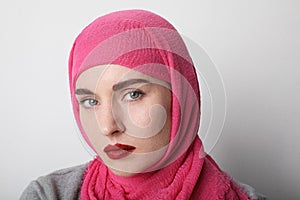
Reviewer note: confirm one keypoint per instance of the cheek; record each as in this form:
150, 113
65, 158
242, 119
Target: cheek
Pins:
145, 120
91, 128
88, 121
139, 115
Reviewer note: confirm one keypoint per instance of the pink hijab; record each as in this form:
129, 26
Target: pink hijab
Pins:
146, 42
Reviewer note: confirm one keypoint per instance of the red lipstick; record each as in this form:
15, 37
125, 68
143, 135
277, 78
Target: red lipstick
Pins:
118, 151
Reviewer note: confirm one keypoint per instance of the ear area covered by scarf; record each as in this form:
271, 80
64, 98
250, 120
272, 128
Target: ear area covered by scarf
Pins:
142, 40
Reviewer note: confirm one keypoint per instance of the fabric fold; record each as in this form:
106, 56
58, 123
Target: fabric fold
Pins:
146, 42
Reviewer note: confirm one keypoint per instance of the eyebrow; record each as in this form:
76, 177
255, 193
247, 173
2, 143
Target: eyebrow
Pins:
123, 84
83, 91
116, 87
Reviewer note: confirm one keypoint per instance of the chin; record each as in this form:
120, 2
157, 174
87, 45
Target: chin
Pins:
121, 173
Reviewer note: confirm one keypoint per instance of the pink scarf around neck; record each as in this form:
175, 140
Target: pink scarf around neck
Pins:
189, 177
146, 42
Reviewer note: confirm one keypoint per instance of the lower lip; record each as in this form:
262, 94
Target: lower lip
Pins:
117, 154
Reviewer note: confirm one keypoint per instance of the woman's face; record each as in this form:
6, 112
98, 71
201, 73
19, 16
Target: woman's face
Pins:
126, 116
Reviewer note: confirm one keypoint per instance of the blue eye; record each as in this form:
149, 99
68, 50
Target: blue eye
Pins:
88, 103
133, 95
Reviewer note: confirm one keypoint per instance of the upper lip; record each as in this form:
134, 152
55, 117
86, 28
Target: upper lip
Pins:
118, 146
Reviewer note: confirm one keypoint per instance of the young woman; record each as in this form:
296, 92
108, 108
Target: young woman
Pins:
136, 101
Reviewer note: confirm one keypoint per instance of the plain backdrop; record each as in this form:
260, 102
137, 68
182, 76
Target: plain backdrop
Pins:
255, 45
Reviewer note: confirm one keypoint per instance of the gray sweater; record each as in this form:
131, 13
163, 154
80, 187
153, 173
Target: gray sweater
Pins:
65, 184
61, 184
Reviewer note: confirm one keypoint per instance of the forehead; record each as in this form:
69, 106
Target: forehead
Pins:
108, 75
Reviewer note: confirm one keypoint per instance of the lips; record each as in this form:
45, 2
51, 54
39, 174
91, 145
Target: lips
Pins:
118, 151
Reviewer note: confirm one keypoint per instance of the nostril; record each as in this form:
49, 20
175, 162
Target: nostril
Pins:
108, 121
113, 129
116, 132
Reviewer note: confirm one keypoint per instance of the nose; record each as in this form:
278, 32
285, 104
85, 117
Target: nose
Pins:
108, 120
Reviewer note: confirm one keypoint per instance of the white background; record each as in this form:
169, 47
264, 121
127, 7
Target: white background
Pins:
255, 44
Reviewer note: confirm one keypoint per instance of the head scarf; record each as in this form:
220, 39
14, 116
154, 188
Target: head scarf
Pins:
144, 41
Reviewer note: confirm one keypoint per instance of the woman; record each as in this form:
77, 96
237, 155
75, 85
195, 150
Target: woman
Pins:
136, 101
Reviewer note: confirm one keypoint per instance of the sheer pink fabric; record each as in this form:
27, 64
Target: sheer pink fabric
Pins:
146, 42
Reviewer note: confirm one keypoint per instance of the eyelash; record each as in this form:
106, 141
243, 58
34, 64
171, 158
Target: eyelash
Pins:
88, 100
139, 92
96, 102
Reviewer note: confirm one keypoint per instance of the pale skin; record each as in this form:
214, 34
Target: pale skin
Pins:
121, 105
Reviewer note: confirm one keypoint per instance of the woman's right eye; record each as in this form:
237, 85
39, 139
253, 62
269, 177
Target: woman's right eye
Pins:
89, 103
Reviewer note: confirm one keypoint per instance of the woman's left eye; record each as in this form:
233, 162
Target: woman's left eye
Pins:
133, 95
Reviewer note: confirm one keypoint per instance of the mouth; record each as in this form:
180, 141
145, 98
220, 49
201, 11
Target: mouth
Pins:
118, 151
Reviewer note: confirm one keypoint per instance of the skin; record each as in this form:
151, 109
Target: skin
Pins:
121, 105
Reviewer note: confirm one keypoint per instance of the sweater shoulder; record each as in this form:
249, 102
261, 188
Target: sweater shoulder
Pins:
60, 184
